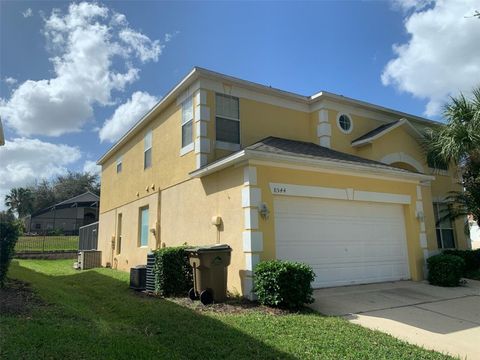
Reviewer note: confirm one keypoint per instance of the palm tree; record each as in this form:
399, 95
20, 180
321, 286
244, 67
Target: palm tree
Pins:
20, 201
459, 142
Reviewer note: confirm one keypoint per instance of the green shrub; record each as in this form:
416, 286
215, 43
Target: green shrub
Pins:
173, 273
445, 270
283, 284
471, 258
8, 238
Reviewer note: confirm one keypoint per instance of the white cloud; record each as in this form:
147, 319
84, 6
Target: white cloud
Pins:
407, 5
442, 56
126, 115
86, 42
141, 45
27, 13
91, 167
10, 81
26, 160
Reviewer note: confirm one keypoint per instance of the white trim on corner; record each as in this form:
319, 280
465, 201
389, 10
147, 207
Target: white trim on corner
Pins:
222, 145
188, 148
338, 122
338, 193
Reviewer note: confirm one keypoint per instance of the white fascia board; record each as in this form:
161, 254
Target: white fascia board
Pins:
411, 129
219, 165
335, 165
352, 169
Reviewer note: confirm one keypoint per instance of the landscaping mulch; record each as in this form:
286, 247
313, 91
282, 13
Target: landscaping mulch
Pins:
17, 298
233, 305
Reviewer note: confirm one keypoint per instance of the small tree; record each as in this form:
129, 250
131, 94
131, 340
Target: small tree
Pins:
8, 239
459, 142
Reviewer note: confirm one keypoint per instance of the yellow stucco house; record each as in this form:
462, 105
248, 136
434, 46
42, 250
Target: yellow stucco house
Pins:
334, 182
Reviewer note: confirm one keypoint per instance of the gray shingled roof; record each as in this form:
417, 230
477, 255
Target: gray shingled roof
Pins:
376, 131
310, 150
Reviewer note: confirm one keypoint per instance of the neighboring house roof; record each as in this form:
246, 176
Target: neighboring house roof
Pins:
385, 129
305, 153
86, 199
196, 73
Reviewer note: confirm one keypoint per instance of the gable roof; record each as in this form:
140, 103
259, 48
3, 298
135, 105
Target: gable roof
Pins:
305, 153
87, 196
86, 199
380, 131
200, 73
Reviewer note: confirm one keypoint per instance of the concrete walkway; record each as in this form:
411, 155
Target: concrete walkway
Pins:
442, 319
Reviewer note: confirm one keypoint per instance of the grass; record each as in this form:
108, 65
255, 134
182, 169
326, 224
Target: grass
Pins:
47, 243
93, 315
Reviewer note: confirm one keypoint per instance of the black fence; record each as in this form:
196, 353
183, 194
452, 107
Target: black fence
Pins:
88, 237
46, 243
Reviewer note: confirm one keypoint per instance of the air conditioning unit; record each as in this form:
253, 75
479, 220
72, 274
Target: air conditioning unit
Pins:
150, 278
89, 259
138, 277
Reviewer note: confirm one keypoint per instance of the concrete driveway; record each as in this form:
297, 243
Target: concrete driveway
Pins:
442, 319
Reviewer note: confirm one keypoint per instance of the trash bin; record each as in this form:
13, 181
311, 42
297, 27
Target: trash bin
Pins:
209, 265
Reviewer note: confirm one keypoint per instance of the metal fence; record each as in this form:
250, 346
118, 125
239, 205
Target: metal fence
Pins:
88, 237
46, 243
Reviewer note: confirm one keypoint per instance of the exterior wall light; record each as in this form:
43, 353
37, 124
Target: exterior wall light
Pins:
264, 211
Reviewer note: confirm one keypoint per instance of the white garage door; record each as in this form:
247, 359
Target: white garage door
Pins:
345, 242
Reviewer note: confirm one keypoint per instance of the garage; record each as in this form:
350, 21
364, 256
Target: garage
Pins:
345, 242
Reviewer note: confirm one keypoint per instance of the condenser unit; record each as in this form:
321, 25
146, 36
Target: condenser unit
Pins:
138, 276
150, 280
89, 259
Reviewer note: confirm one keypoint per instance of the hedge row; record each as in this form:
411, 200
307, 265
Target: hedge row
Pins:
173, 273
471, 258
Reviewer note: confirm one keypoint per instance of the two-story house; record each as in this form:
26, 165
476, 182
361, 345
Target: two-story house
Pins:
334, 182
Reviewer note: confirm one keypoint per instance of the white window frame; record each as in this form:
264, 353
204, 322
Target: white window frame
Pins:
340, 127
146, 148
438, 226
119, 163
141, 224
226, 145
184, 121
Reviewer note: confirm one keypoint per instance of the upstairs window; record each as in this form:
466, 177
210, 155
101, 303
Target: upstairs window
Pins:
119, 164
187, 122
227, 121
344, 123
443, 226
147, 150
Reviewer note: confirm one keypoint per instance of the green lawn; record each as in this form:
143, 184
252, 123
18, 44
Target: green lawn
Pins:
93, 315
47, 243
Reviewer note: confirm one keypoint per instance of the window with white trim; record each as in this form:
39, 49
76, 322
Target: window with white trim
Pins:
443, 226
147, 150
143, 226
187, 122
119, 164
227, 119
344, 123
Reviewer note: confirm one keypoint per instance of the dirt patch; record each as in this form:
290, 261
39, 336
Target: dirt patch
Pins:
17, 298
233, 305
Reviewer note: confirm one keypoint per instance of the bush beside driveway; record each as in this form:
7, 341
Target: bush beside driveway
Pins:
93, 314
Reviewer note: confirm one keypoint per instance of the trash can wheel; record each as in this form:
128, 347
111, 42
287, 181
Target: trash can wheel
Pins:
192, 294
206, 297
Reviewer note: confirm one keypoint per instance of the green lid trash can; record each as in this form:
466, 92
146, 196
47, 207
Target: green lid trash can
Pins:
209, 265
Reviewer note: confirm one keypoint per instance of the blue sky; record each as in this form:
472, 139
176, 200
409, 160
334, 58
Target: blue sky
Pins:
304, 47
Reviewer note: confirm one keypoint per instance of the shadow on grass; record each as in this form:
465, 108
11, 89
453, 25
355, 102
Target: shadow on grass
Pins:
95, 315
